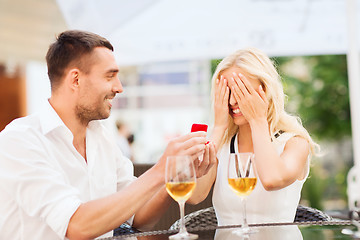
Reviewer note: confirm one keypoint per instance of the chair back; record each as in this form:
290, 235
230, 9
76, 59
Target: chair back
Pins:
207, 218
124, 229
309, 214
199, 219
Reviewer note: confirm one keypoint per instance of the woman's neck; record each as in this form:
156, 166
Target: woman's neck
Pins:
244, 137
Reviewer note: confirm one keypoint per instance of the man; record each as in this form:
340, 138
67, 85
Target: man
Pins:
61, 176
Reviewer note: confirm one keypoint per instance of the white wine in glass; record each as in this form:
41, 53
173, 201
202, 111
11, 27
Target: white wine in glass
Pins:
180, 179
242, 180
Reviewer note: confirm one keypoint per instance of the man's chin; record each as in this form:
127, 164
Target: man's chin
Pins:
105, 115
101, 116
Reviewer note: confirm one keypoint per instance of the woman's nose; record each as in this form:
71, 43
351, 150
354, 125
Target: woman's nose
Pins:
232, 100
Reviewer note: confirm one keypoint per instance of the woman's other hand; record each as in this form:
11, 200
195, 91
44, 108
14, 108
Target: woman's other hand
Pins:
252, 103
221, 103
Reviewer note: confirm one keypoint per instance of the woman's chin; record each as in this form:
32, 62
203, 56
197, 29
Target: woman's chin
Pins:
239, 121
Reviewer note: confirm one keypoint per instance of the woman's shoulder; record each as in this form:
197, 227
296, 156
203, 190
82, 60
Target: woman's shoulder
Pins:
289, 136
283, 136
290, 140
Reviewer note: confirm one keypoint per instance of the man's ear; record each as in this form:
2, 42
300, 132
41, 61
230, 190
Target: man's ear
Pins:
73, 77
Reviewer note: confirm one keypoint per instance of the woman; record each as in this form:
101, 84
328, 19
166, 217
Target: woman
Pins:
249, 106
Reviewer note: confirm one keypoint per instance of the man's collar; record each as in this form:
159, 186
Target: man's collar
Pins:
49, 119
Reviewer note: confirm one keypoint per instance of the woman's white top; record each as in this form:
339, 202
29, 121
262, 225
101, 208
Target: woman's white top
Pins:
261, 206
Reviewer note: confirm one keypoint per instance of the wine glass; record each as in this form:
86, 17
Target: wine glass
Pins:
242, 179
355, 219
180, 178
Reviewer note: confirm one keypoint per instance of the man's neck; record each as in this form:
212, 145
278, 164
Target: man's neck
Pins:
77, 128
80, 146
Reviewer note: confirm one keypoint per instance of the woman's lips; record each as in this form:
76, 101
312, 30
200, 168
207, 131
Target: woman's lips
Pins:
235, 112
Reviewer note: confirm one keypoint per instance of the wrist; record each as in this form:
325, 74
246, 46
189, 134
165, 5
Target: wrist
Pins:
158, 170
259, 123
220, 127
217, 135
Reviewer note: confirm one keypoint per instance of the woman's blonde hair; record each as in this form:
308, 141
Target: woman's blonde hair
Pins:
258, 65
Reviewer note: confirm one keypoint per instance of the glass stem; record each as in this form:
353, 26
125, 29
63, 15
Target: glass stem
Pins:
182, 217
244, 223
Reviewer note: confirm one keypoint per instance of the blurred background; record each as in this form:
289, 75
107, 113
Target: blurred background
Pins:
167, 52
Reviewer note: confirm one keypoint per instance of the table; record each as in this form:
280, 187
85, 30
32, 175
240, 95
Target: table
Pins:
268, 231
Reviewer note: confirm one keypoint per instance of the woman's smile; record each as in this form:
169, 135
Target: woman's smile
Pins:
235, 112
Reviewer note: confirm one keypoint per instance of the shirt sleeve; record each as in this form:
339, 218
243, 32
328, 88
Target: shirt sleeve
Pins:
34, 181
125, 173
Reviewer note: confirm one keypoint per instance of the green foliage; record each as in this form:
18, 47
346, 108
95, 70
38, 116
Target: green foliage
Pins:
322, 96
214, 64
314, 187
325, 184
318, 93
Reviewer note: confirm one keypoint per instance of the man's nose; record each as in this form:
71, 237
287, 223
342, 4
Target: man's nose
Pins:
118, 88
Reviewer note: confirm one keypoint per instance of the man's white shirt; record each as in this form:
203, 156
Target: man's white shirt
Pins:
43, 179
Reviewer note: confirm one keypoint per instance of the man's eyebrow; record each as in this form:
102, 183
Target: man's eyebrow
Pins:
112, 71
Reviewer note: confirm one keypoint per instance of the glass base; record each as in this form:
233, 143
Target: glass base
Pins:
244, 231
184, 235
354, 234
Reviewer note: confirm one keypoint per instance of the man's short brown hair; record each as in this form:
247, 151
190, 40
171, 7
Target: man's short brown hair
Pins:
69, 50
